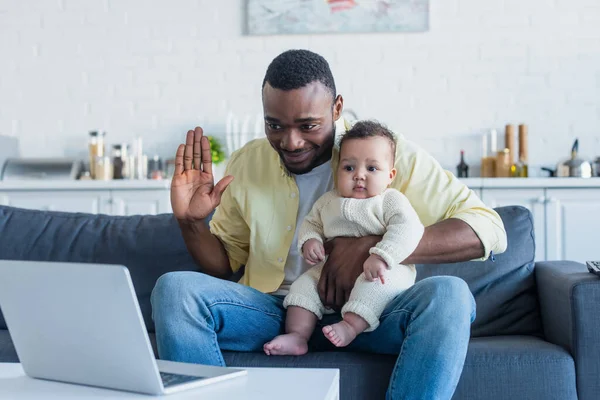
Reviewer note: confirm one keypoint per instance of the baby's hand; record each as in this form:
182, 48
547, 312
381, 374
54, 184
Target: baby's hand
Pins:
313, 251
374, 268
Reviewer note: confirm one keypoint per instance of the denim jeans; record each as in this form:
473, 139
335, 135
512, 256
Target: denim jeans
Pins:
427, 326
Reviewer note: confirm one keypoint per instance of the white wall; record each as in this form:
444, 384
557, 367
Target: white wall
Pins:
157, 68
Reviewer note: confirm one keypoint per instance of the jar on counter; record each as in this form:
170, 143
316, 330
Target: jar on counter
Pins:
104, 169
96, 149
503, 164
120, 161
155, 168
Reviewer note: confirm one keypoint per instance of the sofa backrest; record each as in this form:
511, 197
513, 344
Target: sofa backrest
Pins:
148, 245
504, 289
152, 245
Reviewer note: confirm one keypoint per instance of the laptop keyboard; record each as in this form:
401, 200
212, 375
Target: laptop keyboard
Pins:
169, 379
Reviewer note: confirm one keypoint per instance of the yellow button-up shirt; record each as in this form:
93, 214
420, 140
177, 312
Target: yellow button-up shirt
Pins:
256, 219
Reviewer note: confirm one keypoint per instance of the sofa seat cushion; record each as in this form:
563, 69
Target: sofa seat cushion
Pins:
502, 367
517, 367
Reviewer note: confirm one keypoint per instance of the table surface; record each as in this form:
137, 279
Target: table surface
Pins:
260, 383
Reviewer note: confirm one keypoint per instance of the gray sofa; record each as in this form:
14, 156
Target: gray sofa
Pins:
536, 335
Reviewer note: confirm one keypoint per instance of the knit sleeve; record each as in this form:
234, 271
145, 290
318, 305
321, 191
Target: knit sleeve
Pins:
312, 226
404, 229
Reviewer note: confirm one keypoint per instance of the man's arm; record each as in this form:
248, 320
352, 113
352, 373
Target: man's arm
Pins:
206, 249
449, 241
460, 226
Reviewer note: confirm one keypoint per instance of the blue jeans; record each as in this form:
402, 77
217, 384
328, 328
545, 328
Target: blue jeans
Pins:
196, 316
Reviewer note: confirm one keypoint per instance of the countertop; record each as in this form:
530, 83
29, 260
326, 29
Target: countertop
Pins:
148, 184
527, 183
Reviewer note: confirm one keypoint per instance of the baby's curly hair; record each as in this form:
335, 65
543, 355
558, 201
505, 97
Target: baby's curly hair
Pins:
369, 128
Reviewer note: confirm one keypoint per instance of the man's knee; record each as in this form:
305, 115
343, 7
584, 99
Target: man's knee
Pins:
451, 295
173, 288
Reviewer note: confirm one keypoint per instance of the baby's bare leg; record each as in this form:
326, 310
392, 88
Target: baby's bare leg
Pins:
299, 326
345, 331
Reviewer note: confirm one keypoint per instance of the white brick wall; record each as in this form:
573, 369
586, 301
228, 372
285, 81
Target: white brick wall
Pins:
158, 68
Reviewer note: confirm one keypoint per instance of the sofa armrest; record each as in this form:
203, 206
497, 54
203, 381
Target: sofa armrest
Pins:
569, 300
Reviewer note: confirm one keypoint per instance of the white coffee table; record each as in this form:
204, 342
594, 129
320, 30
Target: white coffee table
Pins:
260, 383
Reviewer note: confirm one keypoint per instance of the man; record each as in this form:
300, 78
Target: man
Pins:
271, 185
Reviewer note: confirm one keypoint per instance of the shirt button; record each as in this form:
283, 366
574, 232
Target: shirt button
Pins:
293, 195
280, 259
289, 228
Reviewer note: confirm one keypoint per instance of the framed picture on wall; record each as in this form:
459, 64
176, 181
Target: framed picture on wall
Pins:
274, 17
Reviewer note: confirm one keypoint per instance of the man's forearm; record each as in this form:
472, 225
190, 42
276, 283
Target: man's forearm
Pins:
448, 241
206, 249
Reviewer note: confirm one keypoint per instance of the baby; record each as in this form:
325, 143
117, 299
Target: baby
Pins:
361, 204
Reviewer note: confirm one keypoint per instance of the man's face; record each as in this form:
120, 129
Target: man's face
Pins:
300, 124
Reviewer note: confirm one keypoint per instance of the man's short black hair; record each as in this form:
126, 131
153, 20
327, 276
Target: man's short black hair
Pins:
294, 69
369, 128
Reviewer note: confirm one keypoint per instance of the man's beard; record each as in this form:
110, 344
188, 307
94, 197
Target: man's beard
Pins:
322, 155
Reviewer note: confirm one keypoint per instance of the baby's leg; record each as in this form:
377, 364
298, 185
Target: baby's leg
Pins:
345, 331
304, 308
299, 326
366, 303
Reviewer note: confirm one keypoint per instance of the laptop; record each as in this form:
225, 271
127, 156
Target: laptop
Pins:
82, 324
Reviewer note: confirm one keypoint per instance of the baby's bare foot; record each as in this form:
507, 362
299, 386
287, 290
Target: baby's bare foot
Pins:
340, 334
290, 344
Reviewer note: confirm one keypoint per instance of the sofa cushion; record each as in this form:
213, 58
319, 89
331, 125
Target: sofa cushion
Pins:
503, 367
148, 245
505, 289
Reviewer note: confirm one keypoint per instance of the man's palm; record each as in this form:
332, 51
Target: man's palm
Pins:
193, 192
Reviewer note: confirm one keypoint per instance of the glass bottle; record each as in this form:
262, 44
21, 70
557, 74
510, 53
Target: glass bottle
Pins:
96, 149
521, 168
462, 169
120, 161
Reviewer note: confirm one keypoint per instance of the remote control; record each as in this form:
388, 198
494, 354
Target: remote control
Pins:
593, 267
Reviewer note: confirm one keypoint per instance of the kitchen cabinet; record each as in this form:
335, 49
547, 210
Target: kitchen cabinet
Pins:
140, 202
112, 197
96, 202
564, 213
532, 199
572, 215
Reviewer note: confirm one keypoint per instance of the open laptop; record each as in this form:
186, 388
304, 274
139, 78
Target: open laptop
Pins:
81, 323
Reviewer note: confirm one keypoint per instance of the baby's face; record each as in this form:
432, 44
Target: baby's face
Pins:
366, 167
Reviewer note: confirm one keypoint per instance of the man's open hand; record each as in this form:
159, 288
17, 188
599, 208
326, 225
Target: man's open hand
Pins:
193, 192
344, 264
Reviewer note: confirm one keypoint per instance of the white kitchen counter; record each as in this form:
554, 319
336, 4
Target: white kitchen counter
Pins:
532, 182
166, 183
120, 184
118, 197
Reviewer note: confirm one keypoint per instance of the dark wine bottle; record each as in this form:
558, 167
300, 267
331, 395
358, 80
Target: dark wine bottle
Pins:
462, 169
